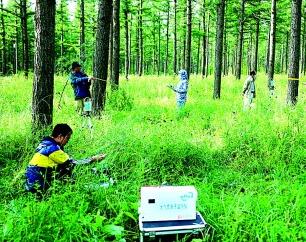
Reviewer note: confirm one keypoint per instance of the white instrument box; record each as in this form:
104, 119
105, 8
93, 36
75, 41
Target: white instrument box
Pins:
166, 203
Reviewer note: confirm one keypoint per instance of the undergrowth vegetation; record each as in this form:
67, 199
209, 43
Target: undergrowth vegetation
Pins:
248, 167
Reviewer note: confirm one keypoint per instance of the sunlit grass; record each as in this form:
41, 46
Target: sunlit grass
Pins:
248, 167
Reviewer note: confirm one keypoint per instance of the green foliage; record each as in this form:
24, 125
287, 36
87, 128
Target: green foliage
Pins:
154, 27
119, 100
248, 167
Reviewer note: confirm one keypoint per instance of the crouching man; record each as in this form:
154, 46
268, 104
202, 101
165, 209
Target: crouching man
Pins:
51, 162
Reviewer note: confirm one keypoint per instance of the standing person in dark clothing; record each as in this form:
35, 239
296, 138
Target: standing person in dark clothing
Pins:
81, 85
51, 162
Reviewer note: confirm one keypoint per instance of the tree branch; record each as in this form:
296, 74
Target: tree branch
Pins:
9, 11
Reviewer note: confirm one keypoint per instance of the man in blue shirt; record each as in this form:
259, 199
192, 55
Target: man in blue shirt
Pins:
81, 85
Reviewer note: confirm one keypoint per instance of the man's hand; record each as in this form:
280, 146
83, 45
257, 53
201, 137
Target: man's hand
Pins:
98, 157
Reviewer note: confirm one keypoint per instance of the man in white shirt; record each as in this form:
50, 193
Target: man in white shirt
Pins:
249, 90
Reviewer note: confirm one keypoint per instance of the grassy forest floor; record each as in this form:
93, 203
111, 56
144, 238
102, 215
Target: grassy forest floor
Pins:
248, 167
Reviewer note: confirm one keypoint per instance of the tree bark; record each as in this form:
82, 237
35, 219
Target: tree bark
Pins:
140, 67
250, 51
303, 69
240, 43
111, 45
4, 47
16, 43
130, 44
126, 27
225, 63
137, 58
255, 66
154, 49
268, 53
219, 48
294, 58
116, 43
101, 55
167, 38
198, 52
203, 42
82, 33
207, 46
287, 51
175, 39
188, 39
43, 85
282, 58
62, 38
25, 36
159, 45
272, 41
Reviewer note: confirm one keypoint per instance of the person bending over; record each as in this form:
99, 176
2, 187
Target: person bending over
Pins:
51, 161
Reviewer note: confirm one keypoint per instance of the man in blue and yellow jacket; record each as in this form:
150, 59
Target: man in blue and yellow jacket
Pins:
50, 161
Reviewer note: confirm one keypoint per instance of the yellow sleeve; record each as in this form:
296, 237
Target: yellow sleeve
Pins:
59, 156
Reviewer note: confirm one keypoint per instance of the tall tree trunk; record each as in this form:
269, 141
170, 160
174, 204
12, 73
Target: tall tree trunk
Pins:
268, 53
62, 38
16, 43
116, 43
255, 67
228, 61
140, 68
82, 33
111, 46
272, 41
175, 39
137, 59
219, 48
204, 41
101, 55
183, 56
159, 44
225, 50
183, 66
207, 46
287, 51
126, 27
225, 62
188, 39
295, 40
154, 49
240, 43
167, 38
282, 58
250, 49
43, 85
234, 57
4, 47
303, 69
25, 36
130, 44
198, 52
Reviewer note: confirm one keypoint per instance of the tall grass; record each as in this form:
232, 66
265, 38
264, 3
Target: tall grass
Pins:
248, 167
